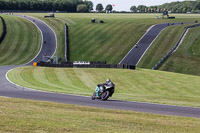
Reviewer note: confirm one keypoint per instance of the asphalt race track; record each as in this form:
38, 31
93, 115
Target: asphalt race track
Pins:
8, 89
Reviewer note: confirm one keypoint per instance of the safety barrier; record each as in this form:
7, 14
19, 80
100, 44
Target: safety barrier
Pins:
4, 30
66, 43
159, 64
91, 65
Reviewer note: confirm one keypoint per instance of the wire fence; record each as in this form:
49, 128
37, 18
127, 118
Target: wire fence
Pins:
90, 65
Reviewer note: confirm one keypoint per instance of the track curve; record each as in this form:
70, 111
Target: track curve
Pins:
8, 89
49, 40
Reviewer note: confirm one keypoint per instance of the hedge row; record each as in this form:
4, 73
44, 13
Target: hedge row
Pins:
4, 30
44, 5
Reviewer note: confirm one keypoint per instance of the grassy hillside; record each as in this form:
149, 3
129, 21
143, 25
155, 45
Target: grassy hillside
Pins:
105, 42
138, 85
186, 58
22, 41
161, 46
35, 116
97, 41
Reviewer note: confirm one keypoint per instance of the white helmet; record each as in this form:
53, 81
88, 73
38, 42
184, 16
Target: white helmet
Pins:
107, 80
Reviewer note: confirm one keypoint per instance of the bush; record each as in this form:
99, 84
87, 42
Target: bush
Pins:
82, 8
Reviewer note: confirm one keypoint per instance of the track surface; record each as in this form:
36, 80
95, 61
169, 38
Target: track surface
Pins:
10, 90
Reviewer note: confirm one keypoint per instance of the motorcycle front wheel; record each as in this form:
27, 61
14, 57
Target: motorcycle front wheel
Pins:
93, 96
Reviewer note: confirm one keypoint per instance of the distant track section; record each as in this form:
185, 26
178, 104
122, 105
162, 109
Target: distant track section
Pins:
49, 41
136, 53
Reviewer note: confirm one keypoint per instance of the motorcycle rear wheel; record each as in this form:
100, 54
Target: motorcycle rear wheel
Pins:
105, 95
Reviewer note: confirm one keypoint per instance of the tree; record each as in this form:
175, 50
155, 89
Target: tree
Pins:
82, 8
99, 7
133, 9
89, 5
109, 8
141, 8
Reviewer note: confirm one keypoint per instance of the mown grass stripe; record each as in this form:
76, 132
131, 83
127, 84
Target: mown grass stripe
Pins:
20, 44
18, 47
64, 81
8, 48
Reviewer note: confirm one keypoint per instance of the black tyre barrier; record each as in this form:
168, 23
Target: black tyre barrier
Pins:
66, 42
92, 65
161, 62
4, 30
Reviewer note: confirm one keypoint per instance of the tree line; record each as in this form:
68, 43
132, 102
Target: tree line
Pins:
174, 7
44, 5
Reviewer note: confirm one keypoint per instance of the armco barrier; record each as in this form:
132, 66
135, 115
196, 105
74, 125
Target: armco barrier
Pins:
71, 65
159, 64
4, 30
66, 42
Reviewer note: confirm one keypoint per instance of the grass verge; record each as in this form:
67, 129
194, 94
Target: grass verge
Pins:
186, 58
35, 116
22, 41
139, 85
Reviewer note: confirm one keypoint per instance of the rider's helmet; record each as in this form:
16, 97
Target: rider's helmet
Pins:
107, 80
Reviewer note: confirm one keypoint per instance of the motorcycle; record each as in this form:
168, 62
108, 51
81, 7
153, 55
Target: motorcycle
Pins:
104, 92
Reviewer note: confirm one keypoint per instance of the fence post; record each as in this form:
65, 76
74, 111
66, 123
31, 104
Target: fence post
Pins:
66, 43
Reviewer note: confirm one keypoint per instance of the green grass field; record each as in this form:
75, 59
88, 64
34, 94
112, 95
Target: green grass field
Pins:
134, 85
186, 58
102, 41
22, 116
22, 41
